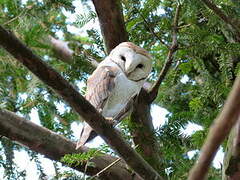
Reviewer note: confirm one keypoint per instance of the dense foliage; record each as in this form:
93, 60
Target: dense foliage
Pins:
201, 75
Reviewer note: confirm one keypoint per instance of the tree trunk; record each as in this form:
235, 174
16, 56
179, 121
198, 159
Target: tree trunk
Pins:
111, 22
142, 131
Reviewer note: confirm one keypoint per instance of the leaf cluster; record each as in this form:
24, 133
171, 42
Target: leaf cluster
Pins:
81, 158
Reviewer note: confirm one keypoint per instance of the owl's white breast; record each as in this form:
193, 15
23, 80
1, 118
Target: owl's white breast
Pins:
123, 91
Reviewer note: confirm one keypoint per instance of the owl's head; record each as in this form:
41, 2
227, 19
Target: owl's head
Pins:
135, 61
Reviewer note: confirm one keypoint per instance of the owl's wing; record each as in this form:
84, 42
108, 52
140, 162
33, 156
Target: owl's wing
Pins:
99, 87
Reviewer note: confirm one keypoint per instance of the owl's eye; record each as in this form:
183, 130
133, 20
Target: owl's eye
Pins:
123, 58
140, 66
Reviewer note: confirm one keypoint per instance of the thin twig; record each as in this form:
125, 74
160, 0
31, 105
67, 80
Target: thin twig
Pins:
106, 168
174, 47
151, 30
184, 26
55, 165
217, 133
13, 19
110, 165
85, 170
90, 59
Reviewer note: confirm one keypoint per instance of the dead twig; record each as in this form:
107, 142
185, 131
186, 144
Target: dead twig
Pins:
184, 26
106, 168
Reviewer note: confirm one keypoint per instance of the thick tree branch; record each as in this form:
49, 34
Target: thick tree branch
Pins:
111, 22
54, 146
227, 19
77, 102
173, 48
142, 131
218, 132
231, 163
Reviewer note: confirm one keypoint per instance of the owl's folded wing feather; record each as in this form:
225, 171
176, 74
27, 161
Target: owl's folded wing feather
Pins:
99, 87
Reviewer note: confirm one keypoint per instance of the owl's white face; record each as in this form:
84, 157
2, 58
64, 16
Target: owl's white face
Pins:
136, 66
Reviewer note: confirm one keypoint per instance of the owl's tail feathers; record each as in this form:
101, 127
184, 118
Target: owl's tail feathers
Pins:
86, 135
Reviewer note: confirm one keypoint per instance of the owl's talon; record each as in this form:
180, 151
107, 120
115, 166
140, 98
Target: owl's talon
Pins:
110, 120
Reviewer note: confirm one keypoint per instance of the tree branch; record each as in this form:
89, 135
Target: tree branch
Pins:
111, 22
61, 49
153, 92
231, 163
227, 19
151, 30
77, 102
218, 132
65, 54
54, 146
142, 131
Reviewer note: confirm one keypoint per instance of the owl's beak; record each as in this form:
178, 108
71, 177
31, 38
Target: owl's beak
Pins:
128, 71
129, 68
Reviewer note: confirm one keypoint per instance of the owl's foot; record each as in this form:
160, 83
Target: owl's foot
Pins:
110, 120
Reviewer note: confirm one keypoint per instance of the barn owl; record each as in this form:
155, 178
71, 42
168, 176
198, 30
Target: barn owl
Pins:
114, 84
